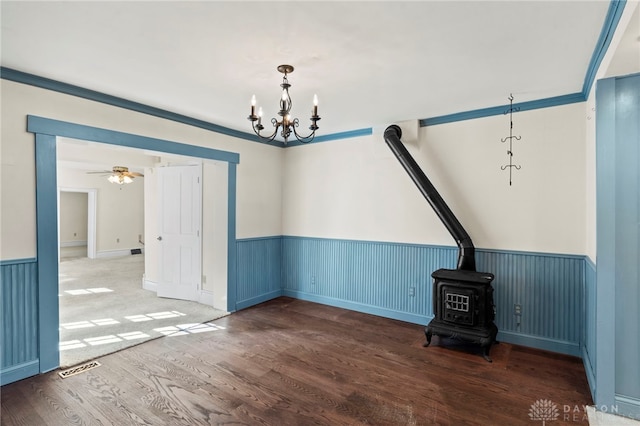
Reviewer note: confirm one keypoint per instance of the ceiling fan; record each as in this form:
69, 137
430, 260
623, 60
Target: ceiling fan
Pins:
120, 175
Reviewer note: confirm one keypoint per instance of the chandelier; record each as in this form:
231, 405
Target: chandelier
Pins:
286, 125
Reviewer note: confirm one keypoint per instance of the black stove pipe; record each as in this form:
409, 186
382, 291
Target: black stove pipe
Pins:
466, 250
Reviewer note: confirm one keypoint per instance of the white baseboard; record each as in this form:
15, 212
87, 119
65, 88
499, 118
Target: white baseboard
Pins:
114, 253
205, 297
72, 243
149, 285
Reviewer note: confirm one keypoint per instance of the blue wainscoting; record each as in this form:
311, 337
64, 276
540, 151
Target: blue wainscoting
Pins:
19, 330
394, 280
550, 290
371, 277
259, 263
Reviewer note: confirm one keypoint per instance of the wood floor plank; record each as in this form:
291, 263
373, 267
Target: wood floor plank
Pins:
293, 362
18, 412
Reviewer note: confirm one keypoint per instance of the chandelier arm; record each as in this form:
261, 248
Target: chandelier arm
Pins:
303, 139
266, 138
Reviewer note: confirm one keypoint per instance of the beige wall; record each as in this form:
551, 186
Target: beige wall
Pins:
356, 189
119, 213
258, 181
73, 217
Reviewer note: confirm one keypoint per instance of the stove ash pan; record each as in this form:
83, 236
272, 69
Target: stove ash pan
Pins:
463, 308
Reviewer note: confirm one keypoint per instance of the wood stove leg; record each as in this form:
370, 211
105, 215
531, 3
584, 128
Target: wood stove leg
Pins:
485, 353
427, 333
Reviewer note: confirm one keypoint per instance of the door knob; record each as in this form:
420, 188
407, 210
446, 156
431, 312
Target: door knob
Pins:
159, 238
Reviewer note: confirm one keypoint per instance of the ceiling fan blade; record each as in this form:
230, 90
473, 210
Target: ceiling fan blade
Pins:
102, 172
135, 174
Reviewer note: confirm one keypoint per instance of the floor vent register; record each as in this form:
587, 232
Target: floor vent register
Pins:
79, 369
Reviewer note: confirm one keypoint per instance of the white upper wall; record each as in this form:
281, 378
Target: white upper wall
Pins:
356, 189
258, 174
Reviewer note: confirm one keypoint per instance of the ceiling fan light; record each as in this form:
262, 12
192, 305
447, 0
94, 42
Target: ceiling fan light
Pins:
119, 179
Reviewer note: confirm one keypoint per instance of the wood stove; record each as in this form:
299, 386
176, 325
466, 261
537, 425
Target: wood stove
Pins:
462, 298
463, 308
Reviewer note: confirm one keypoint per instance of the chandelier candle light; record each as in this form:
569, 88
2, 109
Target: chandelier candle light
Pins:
288, 125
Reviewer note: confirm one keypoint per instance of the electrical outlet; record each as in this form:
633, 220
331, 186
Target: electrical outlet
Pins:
313, 280
117, 240
517, 309
412, 291
204, 279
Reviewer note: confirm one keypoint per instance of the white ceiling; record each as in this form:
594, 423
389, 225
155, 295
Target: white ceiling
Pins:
371, 63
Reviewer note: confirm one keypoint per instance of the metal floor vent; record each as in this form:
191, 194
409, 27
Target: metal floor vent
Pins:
79, 369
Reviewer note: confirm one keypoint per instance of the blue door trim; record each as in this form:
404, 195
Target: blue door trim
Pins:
49, 126
46, 130
47, 252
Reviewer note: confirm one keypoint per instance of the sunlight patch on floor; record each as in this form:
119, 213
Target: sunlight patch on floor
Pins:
80, 291
183, 329
77, 324
105, 321
133, 335
103, 340
173, 330
71, 344
91, 323
201, 328
154, 316
166, 314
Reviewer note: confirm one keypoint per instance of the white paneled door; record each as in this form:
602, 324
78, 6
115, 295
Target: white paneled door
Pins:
180, 218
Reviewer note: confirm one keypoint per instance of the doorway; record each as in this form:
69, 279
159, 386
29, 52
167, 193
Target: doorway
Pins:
46, 133
97, 315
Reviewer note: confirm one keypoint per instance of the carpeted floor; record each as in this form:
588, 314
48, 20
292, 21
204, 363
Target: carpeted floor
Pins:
104, 309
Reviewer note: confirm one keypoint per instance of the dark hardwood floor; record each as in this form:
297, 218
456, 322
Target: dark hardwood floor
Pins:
290, 362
